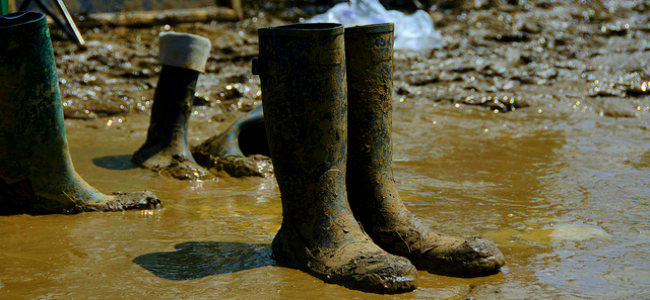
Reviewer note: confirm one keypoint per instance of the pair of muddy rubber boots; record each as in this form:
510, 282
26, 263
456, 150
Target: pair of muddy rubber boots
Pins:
327, 100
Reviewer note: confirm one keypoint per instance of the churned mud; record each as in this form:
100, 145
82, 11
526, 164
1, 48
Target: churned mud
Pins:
256, 165
530, 128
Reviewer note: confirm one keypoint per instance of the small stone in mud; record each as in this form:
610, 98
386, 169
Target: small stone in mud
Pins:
402, 91
423, 79
144, 73
88, 79
510, 37
218, 117
612, 107
612, 30
202, 100
598, 92
503, 103
237, 79
637, 88
229, 92
529, 27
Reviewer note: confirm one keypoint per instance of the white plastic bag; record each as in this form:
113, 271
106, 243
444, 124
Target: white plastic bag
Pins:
412, 32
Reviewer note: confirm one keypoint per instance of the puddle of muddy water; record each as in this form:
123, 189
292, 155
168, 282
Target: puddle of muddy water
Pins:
515, 178
556, 172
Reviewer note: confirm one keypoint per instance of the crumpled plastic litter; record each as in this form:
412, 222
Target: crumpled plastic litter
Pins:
413, 32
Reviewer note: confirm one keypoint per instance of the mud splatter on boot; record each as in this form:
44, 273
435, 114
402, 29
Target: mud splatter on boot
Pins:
183, 57
370, 184
36, 172
302, 70
240, 151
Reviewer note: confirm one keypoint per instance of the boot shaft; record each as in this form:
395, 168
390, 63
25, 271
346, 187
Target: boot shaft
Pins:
36, 172
32, 133
172, 106
302, 70
183, 57
369, 57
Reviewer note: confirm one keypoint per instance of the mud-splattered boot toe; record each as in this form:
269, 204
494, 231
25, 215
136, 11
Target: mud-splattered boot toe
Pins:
179, 166
380, 273
124, 201
483, 258
462, 258
359, 265
185, 168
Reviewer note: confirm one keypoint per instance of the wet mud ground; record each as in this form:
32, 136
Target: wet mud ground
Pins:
531, 127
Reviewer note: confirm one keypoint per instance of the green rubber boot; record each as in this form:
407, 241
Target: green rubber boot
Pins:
302, 70
183, 57
36, 173
371, 187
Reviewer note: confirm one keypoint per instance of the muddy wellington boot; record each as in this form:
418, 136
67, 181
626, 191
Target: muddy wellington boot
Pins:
36, 173
302, 71
241, 150
371, 188
183, 57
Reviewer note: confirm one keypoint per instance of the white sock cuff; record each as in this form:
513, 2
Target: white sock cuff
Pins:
184, 50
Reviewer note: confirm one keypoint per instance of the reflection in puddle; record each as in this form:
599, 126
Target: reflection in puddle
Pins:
195, 260
547, 233
115, 162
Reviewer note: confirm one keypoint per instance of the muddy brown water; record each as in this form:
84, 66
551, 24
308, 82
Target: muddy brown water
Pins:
510, 178
558, 177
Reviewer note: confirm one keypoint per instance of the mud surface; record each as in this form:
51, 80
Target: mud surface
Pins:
530, 128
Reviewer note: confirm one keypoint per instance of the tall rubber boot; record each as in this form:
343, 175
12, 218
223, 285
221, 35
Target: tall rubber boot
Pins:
302, 70
36, 173
183, 57
371, 187
240, 151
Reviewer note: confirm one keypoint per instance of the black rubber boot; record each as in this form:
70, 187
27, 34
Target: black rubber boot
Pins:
242, 150
370, 184
302, 70
183, 57
36, 173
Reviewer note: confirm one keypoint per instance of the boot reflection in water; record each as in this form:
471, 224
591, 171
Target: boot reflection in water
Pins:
370, 184
183, 57
36, 172
302, 71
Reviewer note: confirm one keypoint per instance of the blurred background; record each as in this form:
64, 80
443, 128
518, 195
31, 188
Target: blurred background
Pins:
94, 6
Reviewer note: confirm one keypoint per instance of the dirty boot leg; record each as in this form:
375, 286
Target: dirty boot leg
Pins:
183, 57
36, 172
371, 188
